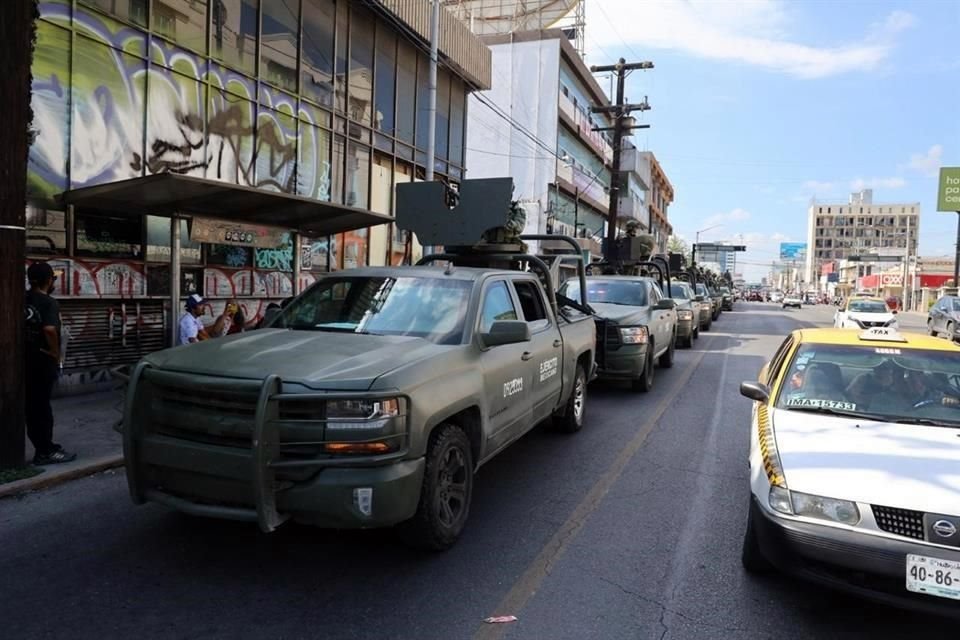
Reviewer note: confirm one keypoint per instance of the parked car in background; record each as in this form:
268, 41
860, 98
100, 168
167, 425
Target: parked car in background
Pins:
944, 317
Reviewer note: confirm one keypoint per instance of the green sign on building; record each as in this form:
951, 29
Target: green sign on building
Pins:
948, 195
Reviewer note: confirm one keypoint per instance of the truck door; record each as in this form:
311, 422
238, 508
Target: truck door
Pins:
506, 375
660, 319
545, 352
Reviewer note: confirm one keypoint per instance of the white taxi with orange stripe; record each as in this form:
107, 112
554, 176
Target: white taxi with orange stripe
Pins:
855, 465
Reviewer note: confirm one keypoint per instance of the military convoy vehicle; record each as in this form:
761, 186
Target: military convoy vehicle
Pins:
372, 399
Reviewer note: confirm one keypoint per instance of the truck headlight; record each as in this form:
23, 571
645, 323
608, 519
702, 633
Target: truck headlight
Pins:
684, 314
634, 335
364, 426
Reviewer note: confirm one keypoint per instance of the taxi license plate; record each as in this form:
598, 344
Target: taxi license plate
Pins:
933, 576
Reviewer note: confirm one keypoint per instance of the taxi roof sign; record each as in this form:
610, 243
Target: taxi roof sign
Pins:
884, 334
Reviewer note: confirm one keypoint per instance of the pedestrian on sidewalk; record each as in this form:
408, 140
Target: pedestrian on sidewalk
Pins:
192, 328
42, 360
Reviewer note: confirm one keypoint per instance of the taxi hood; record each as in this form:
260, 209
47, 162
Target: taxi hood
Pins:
896, 465
316, 359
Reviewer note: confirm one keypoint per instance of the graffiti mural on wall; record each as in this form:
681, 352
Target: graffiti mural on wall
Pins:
200, 119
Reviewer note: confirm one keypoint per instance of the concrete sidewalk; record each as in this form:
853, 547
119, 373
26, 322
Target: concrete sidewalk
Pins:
84, 425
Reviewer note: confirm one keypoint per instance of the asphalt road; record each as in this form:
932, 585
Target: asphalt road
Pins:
629, 529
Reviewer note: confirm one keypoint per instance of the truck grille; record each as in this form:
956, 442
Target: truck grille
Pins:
901, 522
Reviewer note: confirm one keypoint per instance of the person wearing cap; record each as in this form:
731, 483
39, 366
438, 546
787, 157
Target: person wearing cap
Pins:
192, 328
42, 363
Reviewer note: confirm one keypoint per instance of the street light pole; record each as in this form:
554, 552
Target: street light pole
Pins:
696, 241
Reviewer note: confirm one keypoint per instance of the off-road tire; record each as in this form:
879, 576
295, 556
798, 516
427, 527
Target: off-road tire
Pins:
751, 557
950, 331
930, 330
696, 334
666, 359
571, 420
645, 381
437, 524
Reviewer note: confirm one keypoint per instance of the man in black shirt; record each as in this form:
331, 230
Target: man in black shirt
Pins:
42, 322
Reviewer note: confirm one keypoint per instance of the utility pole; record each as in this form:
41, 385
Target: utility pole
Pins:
622, 124
17, 31
432, 95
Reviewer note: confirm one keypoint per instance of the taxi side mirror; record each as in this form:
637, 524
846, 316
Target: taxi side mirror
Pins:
755, 391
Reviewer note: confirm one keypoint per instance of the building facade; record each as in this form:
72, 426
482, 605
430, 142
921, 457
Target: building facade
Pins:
322, 99
839, 230
560, 166
659, 198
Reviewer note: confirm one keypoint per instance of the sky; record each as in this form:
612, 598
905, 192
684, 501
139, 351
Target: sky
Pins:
760, 105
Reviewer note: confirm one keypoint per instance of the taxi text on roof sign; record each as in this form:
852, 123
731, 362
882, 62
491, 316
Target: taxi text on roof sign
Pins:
885, 334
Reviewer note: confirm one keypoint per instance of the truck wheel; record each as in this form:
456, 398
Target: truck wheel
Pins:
571, 420
707, 326
666, 360
645, 381
445, 493
751, 557
930, 330
695, 335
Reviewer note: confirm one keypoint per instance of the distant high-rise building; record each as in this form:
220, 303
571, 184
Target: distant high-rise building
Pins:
838, 230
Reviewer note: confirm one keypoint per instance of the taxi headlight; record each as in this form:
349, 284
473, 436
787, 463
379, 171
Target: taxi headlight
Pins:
823, 508
634, 335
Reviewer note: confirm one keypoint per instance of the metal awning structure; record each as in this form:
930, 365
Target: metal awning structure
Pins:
171, 194
179, 196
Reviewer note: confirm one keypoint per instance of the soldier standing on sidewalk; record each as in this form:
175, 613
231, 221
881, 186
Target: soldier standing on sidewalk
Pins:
42, 322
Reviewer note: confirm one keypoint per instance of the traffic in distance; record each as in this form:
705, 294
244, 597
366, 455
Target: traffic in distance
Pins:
372, 399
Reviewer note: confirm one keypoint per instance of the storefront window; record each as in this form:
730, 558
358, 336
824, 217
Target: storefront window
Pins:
279, 43
46, 231
384, 79
361, 65
234, 33
398, 237
276, 151
229, 255
355, 249
184, 23
317, 67
313, 170
358, 175
340, 69
406, 91
134, 11
50, 100
158, 241
336, 172
109, 236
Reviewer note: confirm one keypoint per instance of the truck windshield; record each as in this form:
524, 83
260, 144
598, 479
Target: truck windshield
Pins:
679, 292
631, 293
430, 308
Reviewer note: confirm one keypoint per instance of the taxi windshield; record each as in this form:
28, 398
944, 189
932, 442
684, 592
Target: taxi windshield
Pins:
886, 383
867, 306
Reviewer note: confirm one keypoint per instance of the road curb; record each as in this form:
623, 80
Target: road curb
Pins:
51, 478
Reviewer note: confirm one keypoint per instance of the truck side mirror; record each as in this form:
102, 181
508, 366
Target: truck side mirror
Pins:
699, 298
665, 304
506, 332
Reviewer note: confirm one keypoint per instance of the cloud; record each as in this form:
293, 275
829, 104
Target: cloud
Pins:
736, 215
895, 182
927, 163
755, 33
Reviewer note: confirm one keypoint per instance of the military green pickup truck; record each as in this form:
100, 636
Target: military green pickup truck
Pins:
370, 401
640, 326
